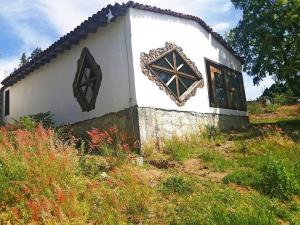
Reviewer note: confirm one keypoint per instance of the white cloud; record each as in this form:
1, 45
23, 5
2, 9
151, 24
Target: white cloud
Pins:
67, 14
7, 65
220, 27
253, 92
20, 15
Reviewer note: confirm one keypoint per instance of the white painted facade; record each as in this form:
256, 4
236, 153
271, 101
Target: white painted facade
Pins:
151, 30
50, 87
117, 48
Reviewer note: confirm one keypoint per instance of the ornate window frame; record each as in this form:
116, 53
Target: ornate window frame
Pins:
154, 55
91, 83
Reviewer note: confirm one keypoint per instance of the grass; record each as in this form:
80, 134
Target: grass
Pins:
235, 177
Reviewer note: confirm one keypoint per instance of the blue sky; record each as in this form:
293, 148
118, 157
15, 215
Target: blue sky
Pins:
26, 24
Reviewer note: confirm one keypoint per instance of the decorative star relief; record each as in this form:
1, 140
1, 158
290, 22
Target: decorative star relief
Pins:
87, 81
173, 72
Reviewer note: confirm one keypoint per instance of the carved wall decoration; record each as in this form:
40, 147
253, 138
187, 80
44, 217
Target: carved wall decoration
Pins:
87, 81
172, 71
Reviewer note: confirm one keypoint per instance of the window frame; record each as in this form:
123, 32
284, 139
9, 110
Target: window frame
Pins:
87, 58
154, 55
177, 94
242, 106
6, 102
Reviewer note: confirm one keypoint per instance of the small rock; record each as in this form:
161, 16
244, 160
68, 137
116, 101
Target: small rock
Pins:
139, 161
104, 175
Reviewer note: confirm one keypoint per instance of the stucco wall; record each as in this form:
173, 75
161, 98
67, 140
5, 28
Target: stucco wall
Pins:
151, 30
117, 48
155, 124
50, 87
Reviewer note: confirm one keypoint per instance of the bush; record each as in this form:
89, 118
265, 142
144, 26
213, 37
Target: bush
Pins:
31, 121
178, 185
276, 181
284, 99
46, 119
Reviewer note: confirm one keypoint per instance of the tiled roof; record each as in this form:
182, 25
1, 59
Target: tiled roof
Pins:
100, 19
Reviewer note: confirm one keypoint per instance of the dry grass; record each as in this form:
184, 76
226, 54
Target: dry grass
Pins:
193, 180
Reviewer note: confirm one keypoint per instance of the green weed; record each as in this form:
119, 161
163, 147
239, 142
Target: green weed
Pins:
178, 185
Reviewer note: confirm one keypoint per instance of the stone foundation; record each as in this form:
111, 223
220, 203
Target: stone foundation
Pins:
126, 119
157, 123
150, 124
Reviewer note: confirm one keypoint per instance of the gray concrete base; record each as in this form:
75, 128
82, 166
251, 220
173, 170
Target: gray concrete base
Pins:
126, 119
150, 124
157, 123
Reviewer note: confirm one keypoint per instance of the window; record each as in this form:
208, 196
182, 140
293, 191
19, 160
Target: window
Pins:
172, 71
226, 89
6, 101
87, 81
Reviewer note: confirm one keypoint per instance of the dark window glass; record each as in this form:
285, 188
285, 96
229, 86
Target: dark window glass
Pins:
225, 87
174, 73
220, 88
6, 101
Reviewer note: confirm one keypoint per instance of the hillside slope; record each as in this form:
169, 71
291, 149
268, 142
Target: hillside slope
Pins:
238, 177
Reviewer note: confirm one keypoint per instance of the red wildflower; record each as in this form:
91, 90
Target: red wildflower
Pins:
60, 196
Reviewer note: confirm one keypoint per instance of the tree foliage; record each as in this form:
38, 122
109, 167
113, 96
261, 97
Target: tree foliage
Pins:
35, 53
23, 60
268, 37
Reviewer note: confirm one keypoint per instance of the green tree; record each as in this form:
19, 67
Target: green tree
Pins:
268, 37
35, 53
23, 60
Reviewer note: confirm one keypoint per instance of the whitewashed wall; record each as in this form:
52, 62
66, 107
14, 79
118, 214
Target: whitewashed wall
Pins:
50, 87
151, 30
117, 48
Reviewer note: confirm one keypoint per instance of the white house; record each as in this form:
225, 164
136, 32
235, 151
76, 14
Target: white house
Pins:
155, 72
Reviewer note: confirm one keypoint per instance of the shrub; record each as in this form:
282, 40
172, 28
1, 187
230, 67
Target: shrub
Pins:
31, 121
178, 185
26, 122
284, 99
276, 181
46, 119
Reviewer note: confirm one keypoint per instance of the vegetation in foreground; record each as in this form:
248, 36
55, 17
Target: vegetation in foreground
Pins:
237, 177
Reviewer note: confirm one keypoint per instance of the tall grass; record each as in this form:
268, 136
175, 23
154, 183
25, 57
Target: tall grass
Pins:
42, 181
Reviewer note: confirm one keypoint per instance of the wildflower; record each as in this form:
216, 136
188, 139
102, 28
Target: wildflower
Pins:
60, 196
